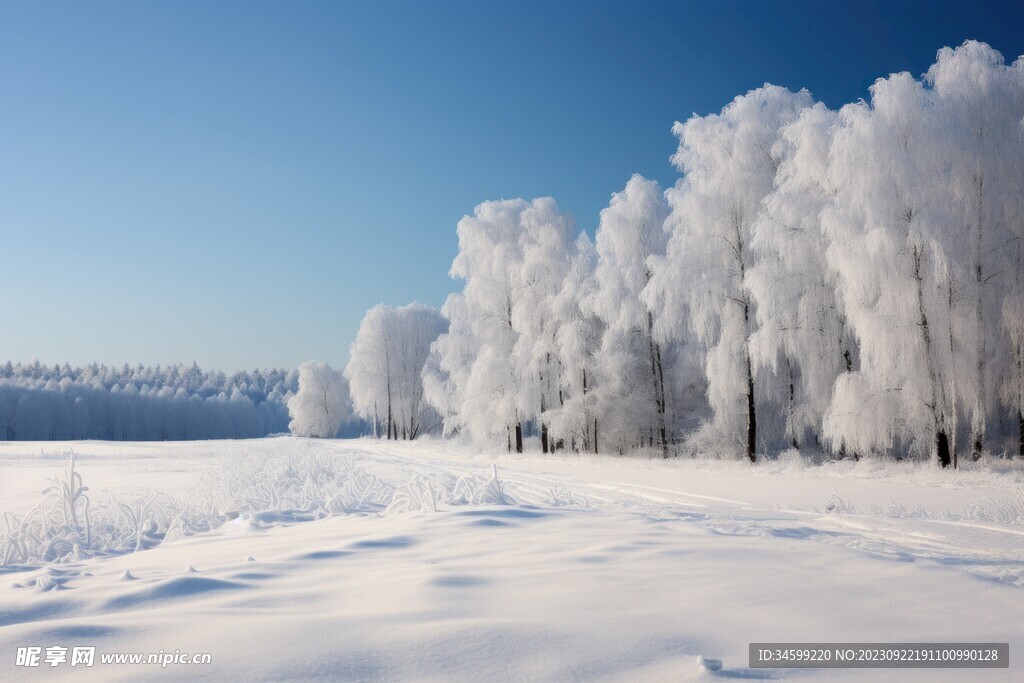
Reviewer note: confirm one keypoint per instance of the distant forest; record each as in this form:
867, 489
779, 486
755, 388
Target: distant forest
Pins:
174, 402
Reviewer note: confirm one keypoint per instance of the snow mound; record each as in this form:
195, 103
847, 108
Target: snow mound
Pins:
709, 664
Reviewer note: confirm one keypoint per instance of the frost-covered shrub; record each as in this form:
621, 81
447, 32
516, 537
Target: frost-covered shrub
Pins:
420, 494
258, 490
67, 525
321, 404
310, 481
1007, 509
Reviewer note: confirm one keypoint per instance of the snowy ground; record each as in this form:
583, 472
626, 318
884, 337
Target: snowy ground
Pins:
566, 568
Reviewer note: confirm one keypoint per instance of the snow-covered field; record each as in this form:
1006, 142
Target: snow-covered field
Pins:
368, 560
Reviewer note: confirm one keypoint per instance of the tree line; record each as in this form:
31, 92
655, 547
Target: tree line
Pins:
848, 282
175, 402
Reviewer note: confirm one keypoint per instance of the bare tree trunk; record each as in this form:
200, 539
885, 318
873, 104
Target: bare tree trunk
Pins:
389, 413
387, 363
978, 421
751, 413
543, 427
751, 407
942, 446
737, 220
661, 416
941, 438
1020, 427
519, 437
658, 381
848, 362
791, 416
953, 399
595, 438
1020, 397
586, 420
979, 417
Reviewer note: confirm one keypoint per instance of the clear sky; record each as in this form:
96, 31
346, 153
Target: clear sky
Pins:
237, 182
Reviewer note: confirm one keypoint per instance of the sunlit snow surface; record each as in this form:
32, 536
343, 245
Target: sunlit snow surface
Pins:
414, 562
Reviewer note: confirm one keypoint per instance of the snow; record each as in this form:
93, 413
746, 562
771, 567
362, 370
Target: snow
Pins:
464, 565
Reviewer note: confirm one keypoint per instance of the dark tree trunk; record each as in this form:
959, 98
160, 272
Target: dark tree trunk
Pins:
1020, 427
942, 445
519, 437
543, 408
1021, 437
663, 434
658, 381
978, 423
848, 359
751, 414
508, 435
387, 362
941, 438
793, 440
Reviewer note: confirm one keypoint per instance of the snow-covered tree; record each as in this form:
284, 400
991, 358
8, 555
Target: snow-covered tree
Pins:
631, 371
474, 356
853, 279
801, 329
321, 404
577, 343
494, 361
978, 104
385, 371
729, 166
891, 247
446, 371
546, 238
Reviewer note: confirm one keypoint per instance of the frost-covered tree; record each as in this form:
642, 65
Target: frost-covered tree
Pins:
801, 329
850, 278
496, 360
1012, 319
474, 356
577, 343
978, 104
890, 245
546, 237
321, 404
386, 367
729, 167
631, 369
446, 371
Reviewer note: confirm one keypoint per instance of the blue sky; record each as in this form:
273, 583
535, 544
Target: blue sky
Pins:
237, 182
